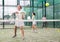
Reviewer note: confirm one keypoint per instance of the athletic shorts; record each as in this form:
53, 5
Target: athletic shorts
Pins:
34, 23
19, 23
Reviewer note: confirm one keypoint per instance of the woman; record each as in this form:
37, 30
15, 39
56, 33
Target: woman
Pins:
34, 23
19, 21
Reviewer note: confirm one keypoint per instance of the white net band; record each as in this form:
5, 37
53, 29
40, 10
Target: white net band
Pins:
30, 20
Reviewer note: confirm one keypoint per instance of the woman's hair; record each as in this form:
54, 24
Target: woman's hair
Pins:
44, 16
19, 6
34, 14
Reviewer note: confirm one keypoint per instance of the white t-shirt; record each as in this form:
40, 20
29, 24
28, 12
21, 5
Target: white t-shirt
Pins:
33, 17
44, 18
19, 16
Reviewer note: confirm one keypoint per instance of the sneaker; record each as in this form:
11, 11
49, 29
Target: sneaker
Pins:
14, 36
35, 31
23, 38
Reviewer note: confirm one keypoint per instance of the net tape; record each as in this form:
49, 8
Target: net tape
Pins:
30, 20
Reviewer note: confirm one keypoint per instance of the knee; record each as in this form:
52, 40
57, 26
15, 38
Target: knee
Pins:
15, 26
21, 28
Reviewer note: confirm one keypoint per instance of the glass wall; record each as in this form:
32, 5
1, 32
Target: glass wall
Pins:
1, 12
49, 12
57, 13
9, 8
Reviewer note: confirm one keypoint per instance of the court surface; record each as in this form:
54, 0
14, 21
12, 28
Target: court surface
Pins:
43, 35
